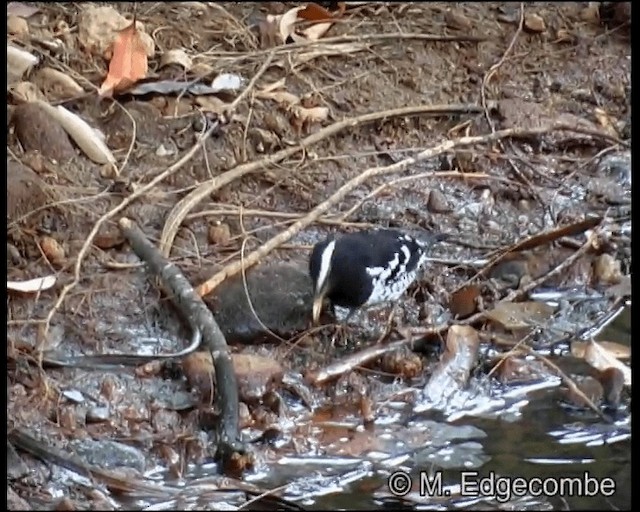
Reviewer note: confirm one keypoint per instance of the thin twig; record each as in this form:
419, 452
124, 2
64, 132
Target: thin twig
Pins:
186, 204
113, 212
237, 266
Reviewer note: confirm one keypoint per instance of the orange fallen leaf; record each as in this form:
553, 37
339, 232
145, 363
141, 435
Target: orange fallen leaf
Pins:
128, 64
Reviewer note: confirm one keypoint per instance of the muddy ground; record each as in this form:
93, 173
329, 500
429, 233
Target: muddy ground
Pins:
497, 67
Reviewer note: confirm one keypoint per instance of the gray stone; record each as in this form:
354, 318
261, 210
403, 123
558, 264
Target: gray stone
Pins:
281, 295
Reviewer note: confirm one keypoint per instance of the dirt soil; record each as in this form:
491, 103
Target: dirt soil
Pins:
562, 62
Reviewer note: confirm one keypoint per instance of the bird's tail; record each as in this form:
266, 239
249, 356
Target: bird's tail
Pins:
427, 238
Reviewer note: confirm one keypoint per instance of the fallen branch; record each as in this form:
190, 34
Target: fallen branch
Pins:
186, 204
255, 256
200, 318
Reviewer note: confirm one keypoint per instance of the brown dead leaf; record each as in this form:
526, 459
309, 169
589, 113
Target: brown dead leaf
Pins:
617, 350
464, 302
52, 250
602, 359
128, 63
607, 270
453, 370
520, 315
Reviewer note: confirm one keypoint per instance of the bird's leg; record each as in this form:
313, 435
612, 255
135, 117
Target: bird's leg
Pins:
343, 328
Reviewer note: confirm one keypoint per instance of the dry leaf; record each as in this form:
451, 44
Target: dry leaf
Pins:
18, 63
26, 92
177, 56
520, 315
128, 64
286, 22
464, 302
311, 115
58, 82
52, 250
315, 12
20, 9
17, 26
602, 359
32, 285
617, 350
82, 134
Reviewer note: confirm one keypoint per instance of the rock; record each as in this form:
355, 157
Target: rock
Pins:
456, 20
25, 191
616, 165
257, 375
108, 454
219, 234
16, 468
534, 23
281, 295
37, 130
437, 202
15, 502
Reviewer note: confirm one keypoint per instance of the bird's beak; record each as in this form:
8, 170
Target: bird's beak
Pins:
317, 304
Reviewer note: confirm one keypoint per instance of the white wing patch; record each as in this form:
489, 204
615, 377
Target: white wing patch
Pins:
383, 290
325, 264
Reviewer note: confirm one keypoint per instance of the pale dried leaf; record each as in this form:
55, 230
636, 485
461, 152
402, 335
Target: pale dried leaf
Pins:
18, 63
32, 285
519, 315
82, 134
177, 56
26, 92
601, 359
311, 115
315, 32
274, 86
22, 10
17, 26
617, 350
282, 97
62, 82
212, 104
287, 21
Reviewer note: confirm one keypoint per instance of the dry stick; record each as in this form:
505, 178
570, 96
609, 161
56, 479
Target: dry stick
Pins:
568, 381
391, 36
182, 209
531, 242
235, 267
200, 318
112, 213
522, 292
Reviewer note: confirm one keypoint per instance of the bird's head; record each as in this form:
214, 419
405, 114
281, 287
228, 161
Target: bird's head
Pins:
320, 270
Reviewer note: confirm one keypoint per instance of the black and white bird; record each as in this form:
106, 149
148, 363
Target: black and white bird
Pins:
366, 267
